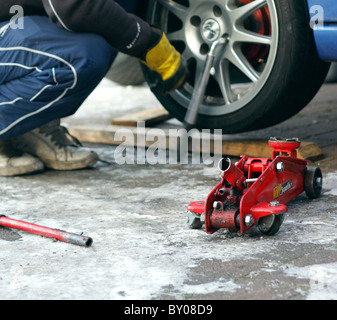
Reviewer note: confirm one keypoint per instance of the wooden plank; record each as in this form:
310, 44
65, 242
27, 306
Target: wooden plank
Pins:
150, 117
309, 151
260, 148
227, 145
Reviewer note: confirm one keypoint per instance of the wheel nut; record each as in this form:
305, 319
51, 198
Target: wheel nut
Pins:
217, 205
249, 220
274, 203
280, 167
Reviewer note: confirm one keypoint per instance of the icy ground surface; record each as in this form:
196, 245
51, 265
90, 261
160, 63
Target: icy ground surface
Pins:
142, 248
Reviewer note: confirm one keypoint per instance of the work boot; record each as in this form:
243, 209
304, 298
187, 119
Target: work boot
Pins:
166, 61
13, 162
53, 145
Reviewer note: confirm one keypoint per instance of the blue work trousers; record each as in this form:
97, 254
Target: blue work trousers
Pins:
46, 73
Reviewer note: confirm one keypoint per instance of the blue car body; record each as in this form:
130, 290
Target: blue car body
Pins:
323, 19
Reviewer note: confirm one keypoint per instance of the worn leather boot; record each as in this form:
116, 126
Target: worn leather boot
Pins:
14, 162
56, 148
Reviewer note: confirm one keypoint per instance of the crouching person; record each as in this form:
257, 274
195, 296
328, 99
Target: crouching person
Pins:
51, 65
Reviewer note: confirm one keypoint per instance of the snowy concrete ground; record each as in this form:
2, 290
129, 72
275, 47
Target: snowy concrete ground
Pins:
142, 248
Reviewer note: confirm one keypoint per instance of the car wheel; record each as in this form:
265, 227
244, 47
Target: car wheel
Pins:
313, 181
268, 71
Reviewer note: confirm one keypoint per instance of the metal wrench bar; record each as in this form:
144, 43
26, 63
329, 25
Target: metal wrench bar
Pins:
199, 90
47, 232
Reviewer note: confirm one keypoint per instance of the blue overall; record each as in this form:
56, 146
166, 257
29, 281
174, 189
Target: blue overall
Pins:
46, 72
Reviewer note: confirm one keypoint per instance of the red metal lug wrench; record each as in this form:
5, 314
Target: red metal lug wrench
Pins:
60, 235
256, 190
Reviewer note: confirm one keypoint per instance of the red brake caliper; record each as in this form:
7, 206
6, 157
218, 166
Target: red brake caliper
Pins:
258, 22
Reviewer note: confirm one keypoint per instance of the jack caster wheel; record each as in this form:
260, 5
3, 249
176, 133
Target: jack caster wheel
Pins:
313, 182
193, 220
271, 224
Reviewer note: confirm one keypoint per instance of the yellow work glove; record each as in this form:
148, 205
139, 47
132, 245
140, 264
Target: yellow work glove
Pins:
167, 62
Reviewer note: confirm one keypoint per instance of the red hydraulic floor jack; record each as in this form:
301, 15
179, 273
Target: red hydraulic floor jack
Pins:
256, 190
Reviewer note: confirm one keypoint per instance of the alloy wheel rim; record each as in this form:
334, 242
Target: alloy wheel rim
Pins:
193, 25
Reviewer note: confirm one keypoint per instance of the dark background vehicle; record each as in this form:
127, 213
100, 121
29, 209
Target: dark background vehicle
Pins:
271, 68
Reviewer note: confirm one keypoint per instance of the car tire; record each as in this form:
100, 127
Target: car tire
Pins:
290, 76
126, 71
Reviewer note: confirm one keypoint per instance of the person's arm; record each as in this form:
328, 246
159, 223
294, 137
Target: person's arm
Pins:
124, 31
